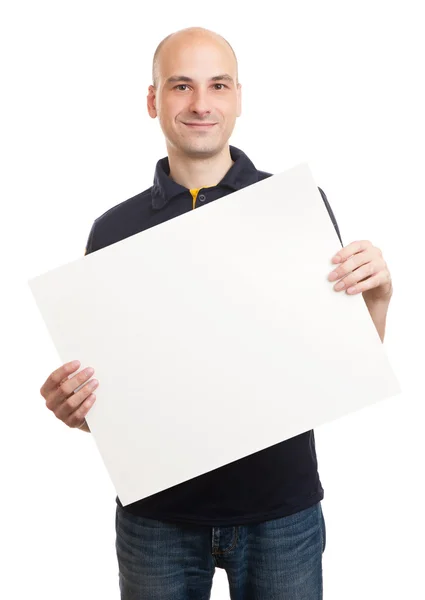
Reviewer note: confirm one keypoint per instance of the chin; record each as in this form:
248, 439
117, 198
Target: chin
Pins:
201, 148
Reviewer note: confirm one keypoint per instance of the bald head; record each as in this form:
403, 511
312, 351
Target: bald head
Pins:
187, 36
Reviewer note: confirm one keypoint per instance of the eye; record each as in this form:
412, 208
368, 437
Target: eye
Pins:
222, 84
180, 86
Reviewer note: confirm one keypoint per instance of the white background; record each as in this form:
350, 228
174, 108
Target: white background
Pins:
336, 84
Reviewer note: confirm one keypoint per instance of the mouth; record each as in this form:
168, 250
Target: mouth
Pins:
200, 125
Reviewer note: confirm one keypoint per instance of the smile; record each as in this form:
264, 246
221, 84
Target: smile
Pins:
200, 125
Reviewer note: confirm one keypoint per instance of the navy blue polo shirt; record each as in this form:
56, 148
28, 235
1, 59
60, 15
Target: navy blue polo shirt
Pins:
278, 481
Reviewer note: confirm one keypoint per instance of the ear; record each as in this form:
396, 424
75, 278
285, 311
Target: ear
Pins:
151, 102
239, 107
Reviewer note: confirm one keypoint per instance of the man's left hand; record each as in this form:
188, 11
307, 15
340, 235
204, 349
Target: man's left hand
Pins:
363, 269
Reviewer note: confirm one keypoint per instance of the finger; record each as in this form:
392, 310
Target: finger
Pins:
350, 250
55, 378
76, 419
351, 264
75, 401
67, 388
70, 385
368, 284
358, 275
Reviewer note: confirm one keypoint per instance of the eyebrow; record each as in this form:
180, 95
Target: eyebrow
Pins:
176, 78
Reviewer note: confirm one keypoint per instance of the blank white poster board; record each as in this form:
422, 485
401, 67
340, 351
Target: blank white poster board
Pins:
215, 334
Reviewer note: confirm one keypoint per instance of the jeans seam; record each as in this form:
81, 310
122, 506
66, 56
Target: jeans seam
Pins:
234, 544
323, 530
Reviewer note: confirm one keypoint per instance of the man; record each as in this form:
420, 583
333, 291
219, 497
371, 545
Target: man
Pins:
259, 518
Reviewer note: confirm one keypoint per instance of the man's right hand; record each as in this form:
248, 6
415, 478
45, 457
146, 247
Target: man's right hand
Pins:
58, 391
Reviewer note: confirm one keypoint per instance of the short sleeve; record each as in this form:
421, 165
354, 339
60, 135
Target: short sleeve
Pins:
90, 241
331, 214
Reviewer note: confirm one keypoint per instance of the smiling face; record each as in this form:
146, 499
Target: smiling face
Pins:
197, 97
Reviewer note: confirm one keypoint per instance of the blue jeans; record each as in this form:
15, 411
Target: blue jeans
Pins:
275, 560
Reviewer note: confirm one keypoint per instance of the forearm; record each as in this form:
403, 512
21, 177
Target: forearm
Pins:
378, 311
85, 427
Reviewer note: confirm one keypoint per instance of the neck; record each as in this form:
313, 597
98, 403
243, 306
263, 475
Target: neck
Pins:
197, 172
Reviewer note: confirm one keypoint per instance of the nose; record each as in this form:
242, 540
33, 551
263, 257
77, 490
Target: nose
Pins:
199, 103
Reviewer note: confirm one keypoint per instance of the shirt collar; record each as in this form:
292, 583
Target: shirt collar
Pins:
240, 174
